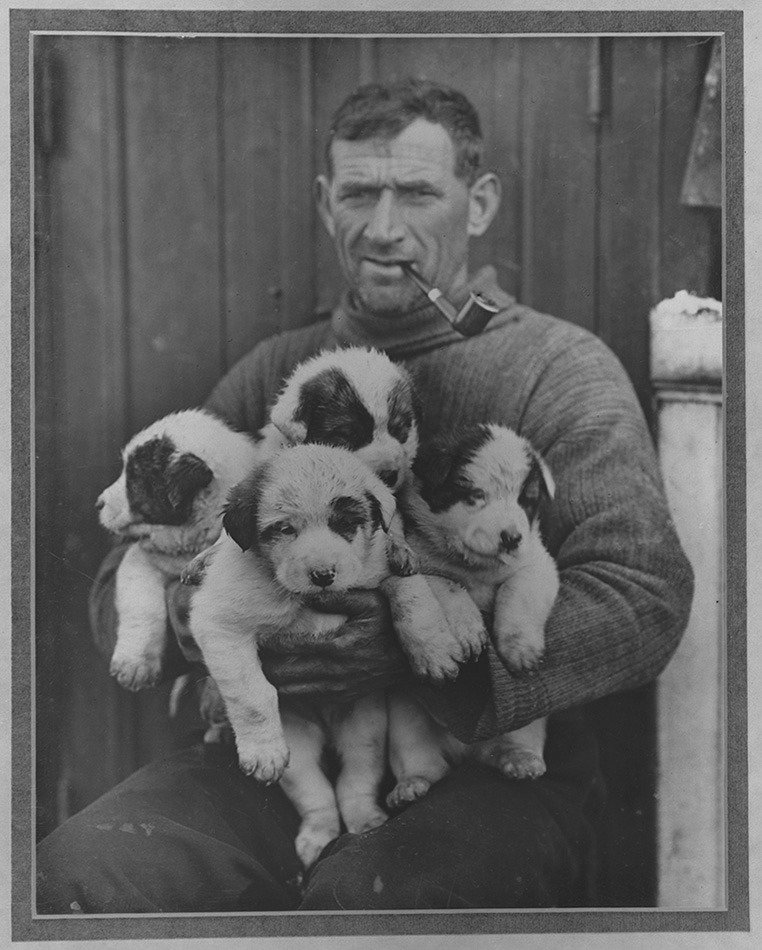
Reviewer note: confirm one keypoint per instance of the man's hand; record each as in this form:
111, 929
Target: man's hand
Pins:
361, 656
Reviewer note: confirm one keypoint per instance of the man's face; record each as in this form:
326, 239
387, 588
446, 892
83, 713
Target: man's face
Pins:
397, 200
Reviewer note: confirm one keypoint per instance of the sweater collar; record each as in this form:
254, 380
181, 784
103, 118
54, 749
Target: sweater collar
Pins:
423, 329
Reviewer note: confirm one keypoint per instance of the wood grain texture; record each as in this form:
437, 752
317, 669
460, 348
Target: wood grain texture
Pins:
629, 209
172, 207
559, 206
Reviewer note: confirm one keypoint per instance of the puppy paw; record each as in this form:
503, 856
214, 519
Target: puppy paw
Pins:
521, 763
437, 662
520, 656
407, 791
266, 762
136, 672
463, 616
402, 560
310, 842
360, 820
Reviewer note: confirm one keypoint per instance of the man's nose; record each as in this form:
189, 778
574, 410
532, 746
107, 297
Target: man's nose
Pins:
385, 225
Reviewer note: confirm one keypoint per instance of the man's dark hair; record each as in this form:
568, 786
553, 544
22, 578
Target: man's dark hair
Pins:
383, 110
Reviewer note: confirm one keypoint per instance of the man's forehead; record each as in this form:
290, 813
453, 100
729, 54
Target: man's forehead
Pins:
423, 149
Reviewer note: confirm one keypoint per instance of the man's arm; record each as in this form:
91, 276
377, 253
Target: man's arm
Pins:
626, 585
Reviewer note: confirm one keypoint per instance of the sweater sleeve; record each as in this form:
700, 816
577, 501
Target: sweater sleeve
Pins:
626, 584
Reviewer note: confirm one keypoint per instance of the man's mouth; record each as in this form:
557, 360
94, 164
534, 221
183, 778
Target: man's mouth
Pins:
387, 265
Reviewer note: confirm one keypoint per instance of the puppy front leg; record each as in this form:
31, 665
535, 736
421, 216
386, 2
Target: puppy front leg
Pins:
422, 628
142, 612
359, 736
251, 701
463, 616
522, 607
518, 754
308, 788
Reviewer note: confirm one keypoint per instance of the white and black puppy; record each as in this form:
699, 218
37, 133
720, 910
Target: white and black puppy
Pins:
359, 400
311, 518
352, 398
474, 516
169, 498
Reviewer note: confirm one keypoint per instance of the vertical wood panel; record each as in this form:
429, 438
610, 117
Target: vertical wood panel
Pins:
341, 64
629, 206
172, 195
559, 180
501, 126
688, 236
296, 209
79, 441
251, 204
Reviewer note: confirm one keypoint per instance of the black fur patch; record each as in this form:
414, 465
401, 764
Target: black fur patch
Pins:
440, 466
400, 403
161, 485
333, 413
534, 490
241, 510
347, 516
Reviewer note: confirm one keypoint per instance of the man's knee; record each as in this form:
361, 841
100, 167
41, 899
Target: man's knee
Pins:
77, 866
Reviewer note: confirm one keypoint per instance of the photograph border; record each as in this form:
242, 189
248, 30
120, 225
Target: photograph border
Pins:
24, 22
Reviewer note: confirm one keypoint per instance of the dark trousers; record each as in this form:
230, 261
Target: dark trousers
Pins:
191, 833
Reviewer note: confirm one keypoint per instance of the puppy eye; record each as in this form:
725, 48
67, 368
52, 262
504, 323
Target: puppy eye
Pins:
476, 497
285, 529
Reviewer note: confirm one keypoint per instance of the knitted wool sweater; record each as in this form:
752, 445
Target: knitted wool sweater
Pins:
626, 585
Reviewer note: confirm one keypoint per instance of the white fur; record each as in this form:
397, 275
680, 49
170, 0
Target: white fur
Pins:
248, 598
161, 551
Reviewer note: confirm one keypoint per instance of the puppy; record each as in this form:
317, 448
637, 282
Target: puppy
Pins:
355, 399
168, 499
473, 516
359, 400
310, 519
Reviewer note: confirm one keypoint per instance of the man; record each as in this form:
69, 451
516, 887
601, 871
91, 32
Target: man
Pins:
191, 833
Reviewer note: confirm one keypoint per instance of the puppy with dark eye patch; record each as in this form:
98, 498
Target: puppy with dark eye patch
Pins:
310, 519
473, 515
353, 398
168, 500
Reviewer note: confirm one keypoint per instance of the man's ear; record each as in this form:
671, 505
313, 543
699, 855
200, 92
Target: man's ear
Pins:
483, 201
322, 193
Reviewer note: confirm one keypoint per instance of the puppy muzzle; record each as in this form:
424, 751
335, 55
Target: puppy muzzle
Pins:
494, 533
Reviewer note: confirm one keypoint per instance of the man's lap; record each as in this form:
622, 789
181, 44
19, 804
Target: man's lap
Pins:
192, 833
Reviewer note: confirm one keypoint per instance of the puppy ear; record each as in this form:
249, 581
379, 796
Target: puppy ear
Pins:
240, 515
382, 506
548, 482
538, 485
433, 463
187, 474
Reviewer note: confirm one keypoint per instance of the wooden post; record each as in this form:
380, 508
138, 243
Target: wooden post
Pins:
686, 370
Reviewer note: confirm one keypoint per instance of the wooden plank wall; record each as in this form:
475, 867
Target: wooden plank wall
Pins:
175, 229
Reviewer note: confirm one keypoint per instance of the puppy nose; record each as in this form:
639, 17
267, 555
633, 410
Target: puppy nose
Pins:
100, 503
389, 477
323, 577
509, 541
